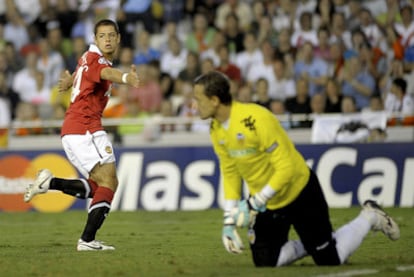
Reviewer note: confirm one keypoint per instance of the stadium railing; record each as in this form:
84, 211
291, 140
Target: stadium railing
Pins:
187, 131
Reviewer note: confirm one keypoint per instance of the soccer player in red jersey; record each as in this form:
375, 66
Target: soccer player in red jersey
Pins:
84, 140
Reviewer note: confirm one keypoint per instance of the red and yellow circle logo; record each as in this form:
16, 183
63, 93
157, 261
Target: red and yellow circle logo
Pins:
16, 172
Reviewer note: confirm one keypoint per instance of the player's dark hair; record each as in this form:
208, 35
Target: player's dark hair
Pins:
106, 22
215, 84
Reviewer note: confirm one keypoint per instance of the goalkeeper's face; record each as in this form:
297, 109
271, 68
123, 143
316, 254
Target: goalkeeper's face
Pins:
206, 106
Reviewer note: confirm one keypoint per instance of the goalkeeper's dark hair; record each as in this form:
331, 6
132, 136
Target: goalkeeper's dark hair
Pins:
215, 84
105, 22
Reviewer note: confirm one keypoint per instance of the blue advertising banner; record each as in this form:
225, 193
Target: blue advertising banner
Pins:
188, 178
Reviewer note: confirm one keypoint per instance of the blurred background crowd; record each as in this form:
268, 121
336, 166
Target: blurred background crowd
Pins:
291, 56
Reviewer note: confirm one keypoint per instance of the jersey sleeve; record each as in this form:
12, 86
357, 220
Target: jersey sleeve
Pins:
95, 65
232, 181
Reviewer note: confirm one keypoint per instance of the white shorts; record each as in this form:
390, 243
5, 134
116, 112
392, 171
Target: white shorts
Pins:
85, 151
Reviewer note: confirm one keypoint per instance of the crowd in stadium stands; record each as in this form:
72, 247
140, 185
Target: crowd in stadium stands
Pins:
291, 56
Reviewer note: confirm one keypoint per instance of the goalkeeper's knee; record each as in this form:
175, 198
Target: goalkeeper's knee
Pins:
327, 255
264, 256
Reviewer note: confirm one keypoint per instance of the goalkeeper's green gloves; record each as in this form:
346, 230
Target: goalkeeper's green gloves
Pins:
231, 239
245, 213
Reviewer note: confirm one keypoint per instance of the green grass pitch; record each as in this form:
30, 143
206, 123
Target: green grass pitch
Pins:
176, 244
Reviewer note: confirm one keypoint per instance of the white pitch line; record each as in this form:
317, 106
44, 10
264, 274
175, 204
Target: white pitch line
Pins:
405, 268
350, 273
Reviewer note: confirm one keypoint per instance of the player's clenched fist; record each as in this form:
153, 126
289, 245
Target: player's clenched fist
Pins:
131, 78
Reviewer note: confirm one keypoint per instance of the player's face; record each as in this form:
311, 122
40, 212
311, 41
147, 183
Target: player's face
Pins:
205, 106
107, 39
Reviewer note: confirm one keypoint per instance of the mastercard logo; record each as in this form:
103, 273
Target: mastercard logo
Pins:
16, 172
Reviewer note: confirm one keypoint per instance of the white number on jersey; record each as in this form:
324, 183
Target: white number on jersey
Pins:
77, 82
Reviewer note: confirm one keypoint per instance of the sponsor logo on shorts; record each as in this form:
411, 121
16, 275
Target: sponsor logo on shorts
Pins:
108, 149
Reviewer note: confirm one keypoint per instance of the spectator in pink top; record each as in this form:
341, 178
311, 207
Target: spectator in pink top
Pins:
148, 95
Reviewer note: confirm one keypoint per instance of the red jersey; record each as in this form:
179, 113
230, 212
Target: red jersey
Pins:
90, 94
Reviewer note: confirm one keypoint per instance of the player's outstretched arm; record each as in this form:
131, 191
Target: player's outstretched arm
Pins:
117, 76
132, 77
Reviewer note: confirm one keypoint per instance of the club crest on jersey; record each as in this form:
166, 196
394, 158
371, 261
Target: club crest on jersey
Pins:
102, 60
240, 137
108, 149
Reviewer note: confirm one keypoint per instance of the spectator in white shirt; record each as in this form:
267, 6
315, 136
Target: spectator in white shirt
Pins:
284, 15
251, 55
50, 62
25, 79
340, 31
29, 83
263, 69
305, 33
405, 28
397, 100
373, 33
213, 51
175, 58
283, 85
15, 30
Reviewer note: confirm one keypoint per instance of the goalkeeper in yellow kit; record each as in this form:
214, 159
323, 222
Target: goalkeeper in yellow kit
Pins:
252, 146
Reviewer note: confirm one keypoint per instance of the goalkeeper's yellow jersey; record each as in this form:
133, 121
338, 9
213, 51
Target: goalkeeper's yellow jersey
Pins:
253, 146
